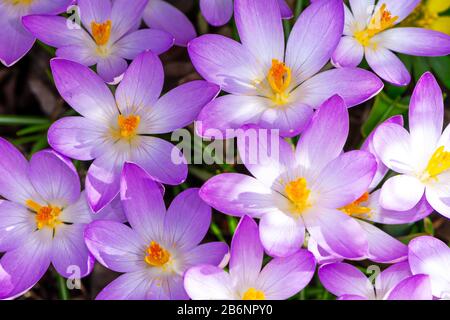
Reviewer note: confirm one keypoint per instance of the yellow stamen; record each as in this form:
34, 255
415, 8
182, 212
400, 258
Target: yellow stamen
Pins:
101, 32
279, 78
356, 209
128, 125
156, 256
298, 193
439, 163
20, 2
46, 216
380, 21
253, 294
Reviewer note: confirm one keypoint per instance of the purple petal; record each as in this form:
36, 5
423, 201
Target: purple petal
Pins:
399, 8
388, 66
390, 277
246, 252
349, 53
217, 12
316, 146
69, 250
130, 286
382, 247
141, 85
16, 225
238, 194
354, 85
15, 184
152, 152
311, 43
78, 212
417, 287
94, 11
207, 282
131, 45
82, 89
282, 278
344, 279
416, 41
124, 15
19, 41
187, 220
111, 69
77, 53
53, 7
281, 234
143, 202
286, 12
115, 246
438, 197
54, 178
260, 29
163, 16
430, 256
337, 233
225, 62
22, 268
179, 107
112, 212
362, 9
211, 253
322, 256
401, 193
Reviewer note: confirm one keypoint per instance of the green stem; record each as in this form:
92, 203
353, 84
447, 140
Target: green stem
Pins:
298, 8
217, 232
62, 288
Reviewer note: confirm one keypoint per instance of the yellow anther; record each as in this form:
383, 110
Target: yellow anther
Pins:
46, 216
355, 208
380, 21
279, 78
156, 256
298, 193
128, 125
101, 32
439, 163
253, 294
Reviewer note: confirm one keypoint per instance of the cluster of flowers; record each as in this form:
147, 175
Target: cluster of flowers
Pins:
120, 219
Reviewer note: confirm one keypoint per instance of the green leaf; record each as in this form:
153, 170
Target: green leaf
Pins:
428, 226
441, 68
420, 66
383, 108
21, 120
33, 129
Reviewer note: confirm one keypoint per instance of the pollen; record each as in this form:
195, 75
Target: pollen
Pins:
253, 294
380, 21
279, 78
128, 125
101, 32
156, 256
298, 192
439, 163
355, 208
46, 216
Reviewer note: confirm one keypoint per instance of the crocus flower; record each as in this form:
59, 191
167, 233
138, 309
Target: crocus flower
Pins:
395, 283
219, 12
42, 219
268, 87
369, 32
430, 256
280, 279
430, 14
306, 188
114, 130
107, 39
15, 40
161, 15
159, 247
420, 156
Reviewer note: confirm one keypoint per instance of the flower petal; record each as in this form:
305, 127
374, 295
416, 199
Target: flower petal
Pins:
124, 15
362, 10
282, 278
399, 8
130, 286
132, 44
437, 195
286, 12
211, 253
16, 225
390, 277
387, 65
206, 282
94, 11
349, 53
217, 12
19, 41
417, 287
401, 193
111, 69
115, 246
311, 44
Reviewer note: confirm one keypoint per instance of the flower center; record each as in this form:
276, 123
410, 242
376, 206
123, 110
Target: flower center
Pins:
156, 256
380, 21
356, 209
101, 32
46, 216
279, 78
253, 294
439, 163
298, 193
20, 2
128, 125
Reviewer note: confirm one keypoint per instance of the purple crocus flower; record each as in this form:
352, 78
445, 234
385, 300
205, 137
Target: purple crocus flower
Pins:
303, 188
395, 283
163, 16
114, 130
42, 219
15, 40
159, 247
269, 87
108, 35
219, 12
420, 156
430, 256
280, 279
369, 32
